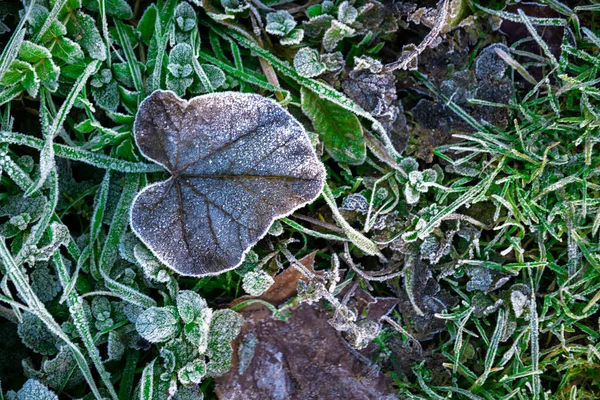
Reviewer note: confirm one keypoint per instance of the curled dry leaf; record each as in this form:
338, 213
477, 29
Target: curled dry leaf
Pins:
237, 162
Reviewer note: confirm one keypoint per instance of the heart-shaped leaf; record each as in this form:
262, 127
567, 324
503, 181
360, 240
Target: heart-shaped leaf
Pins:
238, 161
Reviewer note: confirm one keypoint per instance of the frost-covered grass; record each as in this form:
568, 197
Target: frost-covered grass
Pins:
466, 187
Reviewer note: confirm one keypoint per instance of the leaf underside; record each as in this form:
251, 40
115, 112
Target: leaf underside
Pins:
237, 162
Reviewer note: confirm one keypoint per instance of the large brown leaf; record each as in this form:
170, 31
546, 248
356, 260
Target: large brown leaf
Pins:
237, 162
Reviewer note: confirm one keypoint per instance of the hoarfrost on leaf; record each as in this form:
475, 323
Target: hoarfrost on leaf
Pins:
347, 13
336, 33
158, 324
256, 283
192, 372
34, 390
280, 23
190, 305
224, 327
35, 335
61, 371
237, 161
307, 62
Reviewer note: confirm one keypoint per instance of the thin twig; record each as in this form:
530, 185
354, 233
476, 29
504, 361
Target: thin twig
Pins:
400, 329
363, 274
320, 223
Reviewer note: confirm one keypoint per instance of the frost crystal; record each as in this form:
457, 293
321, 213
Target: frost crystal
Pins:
238, 161
256, 283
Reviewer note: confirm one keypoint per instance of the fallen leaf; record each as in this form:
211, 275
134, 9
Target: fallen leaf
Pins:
303, 358
237, 161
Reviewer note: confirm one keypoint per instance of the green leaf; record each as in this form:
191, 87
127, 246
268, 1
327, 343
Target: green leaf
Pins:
307, 63
24, 73
189, 305
280, 23
105, 90
339, 129
67, 50
158, 324
41, 59
82, 28
336, 33
147, 23
224, 327
115, 8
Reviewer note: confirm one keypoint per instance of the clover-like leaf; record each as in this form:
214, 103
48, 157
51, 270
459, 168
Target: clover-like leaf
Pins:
237, 161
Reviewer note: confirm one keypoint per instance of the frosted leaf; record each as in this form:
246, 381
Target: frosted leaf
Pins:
367, 63
34, 390
409, 164
197, 331
180, 68
489, 64
192, 372
307, 63
189, 392
83, 29
116, 347
336, 32
158, 324
44, 283
414, 177
276, 229
185, 17
35, 335
256, 283
215, 76
355, 202
20, 221
233, 6
62, 371
238, 161
105, 90
429, 176
224, 327
280, 23
101, 308
17, 205
333, 61
519, 298
347, 13
411, 195
292, 38
189, 305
